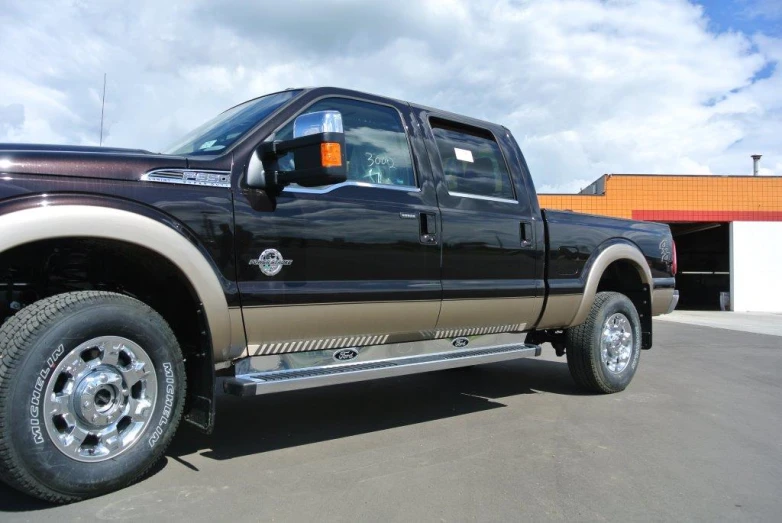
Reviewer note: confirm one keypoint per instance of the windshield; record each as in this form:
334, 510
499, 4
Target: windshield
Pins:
222, 131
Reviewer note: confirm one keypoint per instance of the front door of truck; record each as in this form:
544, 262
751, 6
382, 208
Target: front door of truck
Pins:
359, 261
490, 281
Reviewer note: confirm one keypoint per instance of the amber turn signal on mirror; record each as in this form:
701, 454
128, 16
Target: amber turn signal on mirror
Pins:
330, 154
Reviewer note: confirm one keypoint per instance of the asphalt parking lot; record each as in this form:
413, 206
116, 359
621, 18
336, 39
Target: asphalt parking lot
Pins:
696, 437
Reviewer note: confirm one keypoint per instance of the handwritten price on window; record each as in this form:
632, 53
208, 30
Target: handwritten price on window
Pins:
379, 160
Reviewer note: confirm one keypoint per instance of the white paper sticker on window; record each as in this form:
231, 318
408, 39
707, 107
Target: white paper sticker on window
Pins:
463, 155
207, 145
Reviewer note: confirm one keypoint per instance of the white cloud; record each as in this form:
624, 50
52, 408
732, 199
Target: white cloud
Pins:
586, 86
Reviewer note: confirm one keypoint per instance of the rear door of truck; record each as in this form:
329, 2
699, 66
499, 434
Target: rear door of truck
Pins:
491, 252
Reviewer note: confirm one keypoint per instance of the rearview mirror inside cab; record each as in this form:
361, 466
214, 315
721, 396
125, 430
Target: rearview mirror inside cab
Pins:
314, 156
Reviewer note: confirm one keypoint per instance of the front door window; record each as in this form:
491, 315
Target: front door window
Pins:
376, 145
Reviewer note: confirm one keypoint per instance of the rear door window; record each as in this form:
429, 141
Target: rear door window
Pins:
472, 162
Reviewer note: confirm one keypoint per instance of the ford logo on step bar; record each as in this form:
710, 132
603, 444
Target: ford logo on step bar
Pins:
345, 354
460, 342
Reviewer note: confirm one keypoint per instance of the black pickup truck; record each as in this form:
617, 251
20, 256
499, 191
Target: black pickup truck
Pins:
304, 238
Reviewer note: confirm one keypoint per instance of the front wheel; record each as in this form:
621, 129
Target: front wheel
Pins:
92, 386
603, 352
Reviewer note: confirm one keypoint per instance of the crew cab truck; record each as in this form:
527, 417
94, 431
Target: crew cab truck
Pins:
304, 238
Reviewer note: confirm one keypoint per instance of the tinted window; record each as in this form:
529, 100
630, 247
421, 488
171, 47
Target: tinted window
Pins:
375, 141
472, 162
226, 128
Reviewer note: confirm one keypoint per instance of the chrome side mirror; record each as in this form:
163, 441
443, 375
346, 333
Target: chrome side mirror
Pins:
318, 149
318, 122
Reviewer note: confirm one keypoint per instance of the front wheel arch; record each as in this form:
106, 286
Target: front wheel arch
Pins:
135, 271
60, 221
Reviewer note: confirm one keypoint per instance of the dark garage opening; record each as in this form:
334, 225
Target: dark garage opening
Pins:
704, 264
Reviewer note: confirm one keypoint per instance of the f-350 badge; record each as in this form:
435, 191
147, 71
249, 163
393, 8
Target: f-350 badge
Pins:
270, 262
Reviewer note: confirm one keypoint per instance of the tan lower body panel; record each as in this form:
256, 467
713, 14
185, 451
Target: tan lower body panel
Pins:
661, 300
300, 328
274, 330
238, 347
513, 313
560, 311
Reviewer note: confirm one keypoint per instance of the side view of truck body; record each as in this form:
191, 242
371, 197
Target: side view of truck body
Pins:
301, 239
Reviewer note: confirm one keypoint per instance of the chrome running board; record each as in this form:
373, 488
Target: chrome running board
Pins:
257, 383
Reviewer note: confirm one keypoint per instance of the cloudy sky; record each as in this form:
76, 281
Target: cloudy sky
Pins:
587, 86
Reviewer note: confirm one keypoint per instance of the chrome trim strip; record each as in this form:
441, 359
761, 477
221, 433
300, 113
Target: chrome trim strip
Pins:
479, 197
325, 357
280, 381
312, 190
304, 345
203, 177
476, 331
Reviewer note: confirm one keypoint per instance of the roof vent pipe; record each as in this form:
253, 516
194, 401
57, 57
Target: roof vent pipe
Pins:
755, 160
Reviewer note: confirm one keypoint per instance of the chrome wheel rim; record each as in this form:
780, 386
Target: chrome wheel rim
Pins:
100, 398
616, 344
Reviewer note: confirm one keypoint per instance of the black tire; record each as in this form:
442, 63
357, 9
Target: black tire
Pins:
38, 339
583, 344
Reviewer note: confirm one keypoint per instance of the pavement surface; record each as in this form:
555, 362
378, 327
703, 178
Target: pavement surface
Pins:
757, 322
696, 437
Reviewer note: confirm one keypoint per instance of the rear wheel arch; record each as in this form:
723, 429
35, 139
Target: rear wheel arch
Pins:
619, 266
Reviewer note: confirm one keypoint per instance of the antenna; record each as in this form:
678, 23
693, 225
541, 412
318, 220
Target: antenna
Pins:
102, 105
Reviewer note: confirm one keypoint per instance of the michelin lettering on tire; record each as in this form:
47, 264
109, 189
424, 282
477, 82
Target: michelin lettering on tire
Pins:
37, 394
168, 405
38, 453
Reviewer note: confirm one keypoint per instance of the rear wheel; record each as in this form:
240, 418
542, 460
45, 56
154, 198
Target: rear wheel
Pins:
603, 352
92, 387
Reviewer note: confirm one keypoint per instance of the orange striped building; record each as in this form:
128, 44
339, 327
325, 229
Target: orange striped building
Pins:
728, 231
677, 198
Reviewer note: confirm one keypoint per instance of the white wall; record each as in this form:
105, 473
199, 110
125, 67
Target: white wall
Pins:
756, 266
